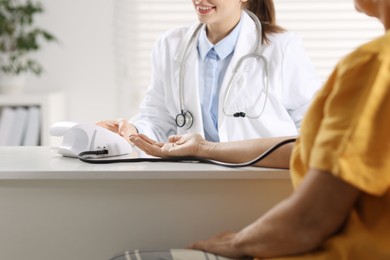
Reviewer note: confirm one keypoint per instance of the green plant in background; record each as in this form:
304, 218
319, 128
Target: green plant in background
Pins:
20, 37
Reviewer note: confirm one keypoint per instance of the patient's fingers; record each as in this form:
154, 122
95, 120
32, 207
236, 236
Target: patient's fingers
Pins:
148, 149
146, 144
151, 149
149, 140
146, 139
174, 138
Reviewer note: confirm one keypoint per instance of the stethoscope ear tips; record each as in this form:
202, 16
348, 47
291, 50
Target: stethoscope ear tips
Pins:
184, 120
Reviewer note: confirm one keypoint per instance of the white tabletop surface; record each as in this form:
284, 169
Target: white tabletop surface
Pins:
42, 162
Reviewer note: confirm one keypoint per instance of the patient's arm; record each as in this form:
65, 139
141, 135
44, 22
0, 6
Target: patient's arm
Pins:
298, 224
234, 152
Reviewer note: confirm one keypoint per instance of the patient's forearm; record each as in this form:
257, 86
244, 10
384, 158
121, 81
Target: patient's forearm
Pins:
299, 224
243, 151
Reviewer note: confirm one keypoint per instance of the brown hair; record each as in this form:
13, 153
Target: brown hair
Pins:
265, 11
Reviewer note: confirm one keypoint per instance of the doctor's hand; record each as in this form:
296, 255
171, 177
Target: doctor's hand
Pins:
119, 126
177, 145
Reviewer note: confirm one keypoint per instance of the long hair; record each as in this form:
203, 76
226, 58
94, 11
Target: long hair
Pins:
265, 11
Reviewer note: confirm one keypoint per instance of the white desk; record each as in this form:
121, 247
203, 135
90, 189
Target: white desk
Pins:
53, 207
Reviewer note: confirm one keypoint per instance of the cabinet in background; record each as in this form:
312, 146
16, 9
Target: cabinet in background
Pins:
50, 106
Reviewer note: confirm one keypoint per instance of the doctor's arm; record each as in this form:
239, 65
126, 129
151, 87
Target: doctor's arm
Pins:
296, 225
300, 80
232, 152
153, 118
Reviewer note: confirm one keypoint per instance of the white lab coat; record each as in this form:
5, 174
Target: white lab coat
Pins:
292, 83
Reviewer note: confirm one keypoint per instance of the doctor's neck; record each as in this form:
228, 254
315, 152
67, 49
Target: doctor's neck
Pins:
219, 30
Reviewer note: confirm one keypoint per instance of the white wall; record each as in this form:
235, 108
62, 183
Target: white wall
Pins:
81, 64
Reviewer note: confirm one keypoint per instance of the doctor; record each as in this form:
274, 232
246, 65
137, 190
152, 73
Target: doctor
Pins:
235, 75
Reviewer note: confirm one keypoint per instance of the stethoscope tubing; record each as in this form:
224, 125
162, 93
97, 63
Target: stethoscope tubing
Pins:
256, 53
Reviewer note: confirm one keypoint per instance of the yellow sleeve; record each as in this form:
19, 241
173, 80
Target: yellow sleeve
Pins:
353, 139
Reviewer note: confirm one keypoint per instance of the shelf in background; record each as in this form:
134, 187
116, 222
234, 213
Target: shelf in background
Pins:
50, 107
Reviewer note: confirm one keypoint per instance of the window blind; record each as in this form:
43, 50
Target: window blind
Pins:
138, 24
330, 29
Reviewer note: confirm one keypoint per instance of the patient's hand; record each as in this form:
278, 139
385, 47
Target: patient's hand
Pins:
222, 244
177, 145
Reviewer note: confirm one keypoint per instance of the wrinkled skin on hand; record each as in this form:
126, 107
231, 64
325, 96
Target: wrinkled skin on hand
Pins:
177, 145
222, 244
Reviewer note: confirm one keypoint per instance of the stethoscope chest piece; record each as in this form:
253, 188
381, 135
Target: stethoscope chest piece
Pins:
184, 120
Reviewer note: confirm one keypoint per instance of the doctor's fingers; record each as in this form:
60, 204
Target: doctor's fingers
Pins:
125, 129
109, 124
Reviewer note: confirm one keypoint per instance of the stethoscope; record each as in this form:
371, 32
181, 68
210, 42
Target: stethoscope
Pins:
185, 119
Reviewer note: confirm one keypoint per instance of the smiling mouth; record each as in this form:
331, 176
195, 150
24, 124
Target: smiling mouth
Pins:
204, 9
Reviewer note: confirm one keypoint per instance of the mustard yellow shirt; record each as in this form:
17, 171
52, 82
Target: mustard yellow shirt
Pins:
347, 132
